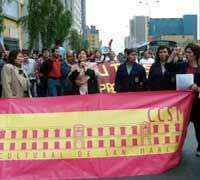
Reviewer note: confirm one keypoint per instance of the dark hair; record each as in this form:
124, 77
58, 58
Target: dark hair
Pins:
161, 48
58, 43
129, 51
195, 49
53, 50
44, 49
24, 51
125, 50
13, 55
81, 51
1, 55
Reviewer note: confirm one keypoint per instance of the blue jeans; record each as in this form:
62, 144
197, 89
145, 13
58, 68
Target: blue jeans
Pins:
54, 87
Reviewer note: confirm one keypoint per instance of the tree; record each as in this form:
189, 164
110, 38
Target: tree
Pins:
77, 42
33, 21
47, 19
85, 44
1, 17
74, 40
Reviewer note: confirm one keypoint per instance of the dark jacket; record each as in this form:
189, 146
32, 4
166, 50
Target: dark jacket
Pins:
65, 68
46, 67
157, 81
181, 68
93, 86
135, 81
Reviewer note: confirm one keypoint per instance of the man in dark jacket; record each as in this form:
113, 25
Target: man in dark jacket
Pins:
131, 76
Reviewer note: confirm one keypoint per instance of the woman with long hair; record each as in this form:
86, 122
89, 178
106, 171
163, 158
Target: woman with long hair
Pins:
190, 66
159, 77
15, 81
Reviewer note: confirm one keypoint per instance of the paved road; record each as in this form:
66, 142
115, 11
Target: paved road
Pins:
189, 167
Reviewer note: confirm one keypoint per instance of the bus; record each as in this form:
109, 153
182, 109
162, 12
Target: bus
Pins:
153, 45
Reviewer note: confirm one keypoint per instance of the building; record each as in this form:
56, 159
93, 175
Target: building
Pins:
11, 31
78, 10
75, 6
186, 26
83, 17
182, 40
138, 30
13, 35
24, 37
127, 42
93, 37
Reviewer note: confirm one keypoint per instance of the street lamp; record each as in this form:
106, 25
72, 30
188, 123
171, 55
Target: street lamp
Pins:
148, 3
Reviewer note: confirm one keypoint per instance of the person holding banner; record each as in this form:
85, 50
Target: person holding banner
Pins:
191, 66
84, 76
159, 78
15, 82
130, 76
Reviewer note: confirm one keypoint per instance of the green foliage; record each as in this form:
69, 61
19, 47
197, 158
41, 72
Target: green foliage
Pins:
77, 42
47, 19
85, 44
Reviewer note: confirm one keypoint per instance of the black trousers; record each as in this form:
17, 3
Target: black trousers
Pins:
195, 118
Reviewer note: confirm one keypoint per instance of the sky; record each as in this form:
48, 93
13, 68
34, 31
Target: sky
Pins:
112, 17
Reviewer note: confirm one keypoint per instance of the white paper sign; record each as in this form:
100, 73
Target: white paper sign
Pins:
184, 81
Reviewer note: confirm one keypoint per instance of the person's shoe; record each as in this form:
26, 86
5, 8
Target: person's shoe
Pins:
198, 153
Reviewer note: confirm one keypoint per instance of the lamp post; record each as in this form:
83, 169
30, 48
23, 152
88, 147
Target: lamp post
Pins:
148, 3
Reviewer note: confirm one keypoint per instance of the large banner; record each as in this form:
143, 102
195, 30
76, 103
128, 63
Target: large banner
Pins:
92, 136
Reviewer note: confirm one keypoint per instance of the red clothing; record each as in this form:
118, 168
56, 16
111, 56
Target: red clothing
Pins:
56, 69
191, 70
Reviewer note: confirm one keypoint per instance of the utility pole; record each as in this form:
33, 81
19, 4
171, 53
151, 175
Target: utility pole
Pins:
148, 4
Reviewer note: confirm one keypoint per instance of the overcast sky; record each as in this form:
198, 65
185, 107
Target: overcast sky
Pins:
112, 17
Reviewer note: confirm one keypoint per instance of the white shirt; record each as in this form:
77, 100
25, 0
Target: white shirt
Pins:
30, 68
146, 61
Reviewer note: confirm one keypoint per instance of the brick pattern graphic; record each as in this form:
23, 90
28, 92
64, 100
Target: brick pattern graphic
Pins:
81, 137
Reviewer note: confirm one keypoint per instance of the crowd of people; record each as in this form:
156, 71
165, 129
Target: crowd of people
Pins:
56, 73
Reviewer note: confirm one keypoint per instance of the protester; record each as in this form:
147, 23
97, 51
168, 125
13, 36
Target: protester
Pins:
98, 56
52, 69
2, 62
83, 77
112, 56
146, 58
159, 78
192, 66
62, 51
42, 78
29, 66
130, 76
123, 58
66, 85
15, 82
70, 57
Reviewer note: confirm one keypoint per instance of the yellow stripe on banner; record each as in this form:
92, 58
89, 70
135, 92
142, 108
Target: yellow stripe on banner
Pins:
90, 134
